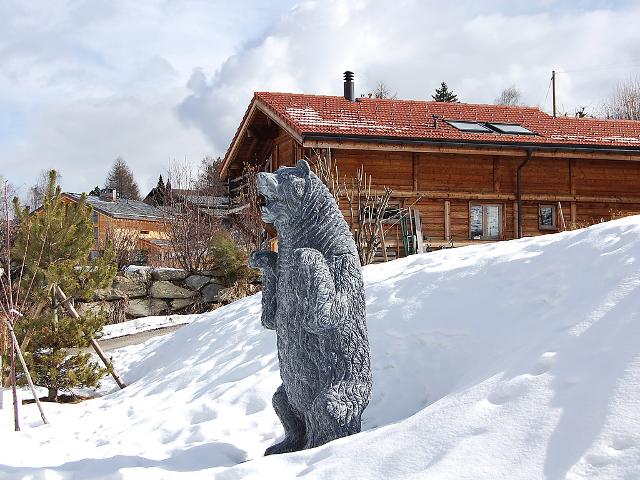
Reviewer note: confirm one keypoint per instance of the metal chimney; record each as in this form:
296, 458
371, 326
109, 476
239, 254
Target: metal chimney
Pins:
349, 91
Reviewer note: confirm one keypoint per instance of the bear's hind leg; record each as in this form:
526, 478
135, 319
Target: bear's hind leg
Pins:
334, 414
294, 427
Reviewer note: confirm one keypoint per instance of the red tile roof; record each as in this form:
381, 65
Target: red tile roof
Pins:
410, 119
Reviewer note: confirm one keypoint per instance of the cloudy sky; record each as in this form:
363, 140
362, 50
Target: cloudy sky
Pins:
154, 81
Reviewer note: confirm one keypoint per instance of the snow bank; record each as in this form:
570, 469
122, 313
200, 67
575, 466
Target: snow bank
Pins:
515, 360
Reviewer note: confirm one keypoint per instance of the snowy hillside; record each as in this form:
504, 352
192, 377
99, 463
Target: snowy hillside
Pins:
516, 360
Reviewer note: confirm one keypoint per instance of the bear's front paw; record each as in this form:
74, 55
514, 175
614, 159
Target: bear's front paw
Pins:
263, 259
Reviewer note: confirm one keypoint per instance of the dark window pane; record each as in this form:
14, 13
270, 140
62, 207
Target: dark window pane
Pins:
546, 216
469, 126
509, 128
476, 222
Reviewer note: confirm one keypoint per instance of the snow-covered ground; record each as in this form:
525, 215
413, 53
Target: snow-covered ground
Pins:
514, 360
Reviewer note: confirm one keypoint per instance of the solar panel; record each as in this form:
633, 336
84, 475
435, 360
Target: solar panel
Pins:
469, 126
511, 128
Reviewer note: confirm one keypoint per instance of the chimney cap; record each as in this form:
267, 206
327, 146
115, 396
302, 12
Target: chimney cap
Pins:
348, 76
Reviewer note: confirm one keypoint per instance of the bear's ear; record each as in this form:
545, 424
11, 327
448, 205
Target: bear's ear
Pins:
304, 166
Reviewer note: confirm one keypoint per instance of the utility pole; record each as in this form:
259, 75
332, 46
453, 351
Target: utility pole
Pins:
553, 87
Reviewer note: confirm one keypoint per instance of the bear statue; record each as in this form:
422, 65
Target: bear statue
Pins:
313, 297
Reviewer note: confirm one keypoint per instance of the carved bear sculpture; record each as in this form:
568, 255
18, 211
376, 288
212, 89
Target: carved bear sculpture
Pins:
313, 297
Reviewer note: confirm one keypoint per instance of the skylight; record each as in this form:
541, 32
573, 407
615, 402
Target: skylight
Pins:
510, 128
469, 126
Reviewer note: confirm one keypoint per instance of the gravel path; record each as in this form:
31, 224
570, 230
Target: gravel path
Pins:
126, 340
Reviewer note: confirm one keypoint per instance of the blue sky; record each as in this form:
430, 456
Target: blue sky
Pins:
83, 82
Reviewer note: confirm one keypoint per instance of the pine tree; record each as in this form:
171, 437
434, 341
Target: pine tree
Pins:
443, 94
54, 245
121, 179
95, 192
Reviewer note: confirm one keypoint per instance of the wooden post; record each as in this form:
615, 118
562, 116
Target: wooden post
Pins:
14, 391
414, 158
16, 349
562, 222
447, 220
515, 219
72, 311
572, 190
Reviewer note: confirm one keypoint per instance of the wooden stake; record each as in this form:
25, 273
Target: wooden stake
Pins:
16, 349
72, 311
14, 390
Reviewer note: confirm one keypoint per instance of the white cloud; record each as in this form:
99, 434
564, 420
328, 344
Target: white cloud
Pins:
84, 81
479, 48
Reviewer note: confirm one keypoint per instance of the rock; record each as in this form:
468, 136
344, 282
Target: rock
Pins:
210, 293
212, 273
181, 303
95, 307
196, 282
132, 288
165, 289
140, 307
142, 274
169, 274
108, 294
217, 281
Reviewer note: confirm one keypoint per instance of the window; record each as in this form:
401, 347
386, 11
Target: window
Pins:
96, 234
96, 216
469, 126
485, 222
547, 217
510, 128
486, 127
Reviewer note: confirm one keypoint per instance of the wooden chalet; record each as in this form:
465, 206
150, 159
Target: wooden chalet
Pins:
114, 216
470, 172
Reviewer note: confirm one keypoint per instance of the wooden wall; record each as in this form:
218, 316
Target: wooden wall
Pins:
438, 183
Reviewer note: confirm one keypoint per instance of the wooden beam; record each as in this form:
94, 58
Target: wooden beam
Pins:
496, 175
532, 197
463, 150
515, 219
447, 219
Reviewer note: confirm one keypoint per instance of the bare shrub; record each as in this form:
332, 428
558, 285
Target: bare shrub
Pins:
188, 224
510, 96
624, 102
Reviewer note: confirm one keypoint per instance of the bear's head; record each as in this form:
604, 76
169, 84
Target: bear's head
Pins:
283, 192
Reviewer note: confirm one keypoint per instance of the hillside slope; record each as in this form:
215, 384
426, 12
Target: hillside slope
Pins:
515, 360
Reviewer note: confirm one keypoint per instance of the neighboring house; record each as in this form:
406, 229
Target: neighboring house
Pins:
472, 172
216, 206
121, 219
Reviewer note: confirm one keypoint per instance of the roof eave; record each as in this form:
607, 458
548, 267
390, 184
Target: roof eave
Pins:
338, 138
256, 104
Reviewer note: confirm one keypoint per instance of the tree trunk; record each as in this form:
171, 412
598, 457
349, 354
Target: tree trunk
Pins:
52, 396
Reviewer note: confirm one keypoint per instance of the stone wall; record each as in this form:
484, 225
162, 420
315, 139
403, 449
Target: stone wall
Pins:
142, 292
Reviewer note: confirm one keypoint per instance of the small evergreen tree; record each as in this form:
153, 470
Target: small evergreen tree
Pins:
230, 259
54, 244
95, 192
120, 178
443, 94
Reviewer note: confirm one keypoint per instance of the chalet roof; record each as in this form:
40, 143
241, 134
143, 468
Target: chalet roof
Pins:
411, 119
122, 208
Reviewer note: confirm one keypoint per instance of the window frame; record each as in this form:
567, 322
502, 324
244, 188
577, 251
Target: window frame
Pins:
484, 205
554, 217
